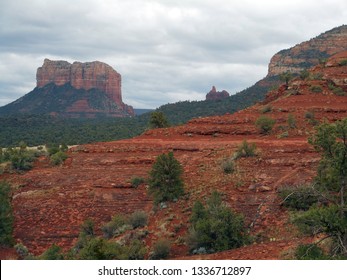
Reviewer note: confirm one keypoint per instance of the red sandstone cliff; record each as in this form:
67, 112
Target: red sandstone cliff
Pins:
75, 90
309, 53
86, 76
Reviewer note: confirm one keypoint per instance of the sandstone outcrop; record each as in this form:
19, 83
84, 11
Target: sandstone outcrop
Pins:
89, 90
86, 76
309, 53
217, 95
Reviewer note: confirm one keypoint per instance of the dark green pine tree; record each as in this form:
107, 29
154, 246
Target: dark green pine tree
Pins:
165, 183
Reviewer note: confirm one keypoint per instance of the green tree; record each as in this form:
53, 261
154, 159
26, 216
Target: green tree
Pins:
158, 120
304, 74
330, 141
286, 77
215, 227
6, 215
165, 182
265, 124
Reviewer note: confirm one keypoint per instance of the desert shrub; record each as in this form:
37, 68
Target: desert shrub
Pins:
57, 153
284, 134
343, 62
136, 250
52, 148
304, 75
21, 250
98, 248
137, 181
161, 249
101, 249
299, 197
115, 227
21, 158
286, 77
245, 150
138, 219
316, 76
58, 158
165, 182
309, 252
87, 228
228, 166
265, 124
316, 89
6, 215
266, 109
309, 115
215, 227
52, 253
336, 90
291, 121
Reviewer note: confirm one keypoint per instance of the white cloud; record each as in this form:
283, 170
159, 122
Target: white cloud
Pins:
165, 50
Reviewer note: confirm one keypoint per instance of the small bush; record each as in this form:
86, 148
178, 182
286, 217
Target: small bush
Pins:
291, 121
6, 215
336, 90
228, 166
137, 181
115, 227
21, 250
316, 89
52, 253
299, 197
304, 75
136, 250
309, 115
87, 228
316, 76
138, 219
284, 134
58, 158
266, 109
265, 124
309, 252
245, 150
161, 249
343, 62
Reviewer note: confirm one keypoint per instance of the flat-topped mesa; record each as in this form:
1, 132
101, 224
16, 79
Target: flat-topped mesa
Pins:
86, 76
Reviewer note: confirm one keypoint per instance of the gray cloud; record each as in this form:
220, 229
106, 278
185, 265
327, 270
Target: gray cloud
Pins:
166, 51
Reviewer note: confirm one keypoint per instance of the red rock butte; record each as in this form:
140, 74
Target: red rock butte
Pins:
85, 76
217, 95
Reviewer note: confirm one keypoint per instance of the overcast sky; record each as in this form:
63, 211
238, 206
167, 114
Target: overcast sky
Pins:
166, 51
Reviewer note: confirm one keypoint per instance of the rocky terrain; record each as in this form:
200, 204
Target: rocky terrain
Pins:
50, 203
73, 90
309, 53
300, 57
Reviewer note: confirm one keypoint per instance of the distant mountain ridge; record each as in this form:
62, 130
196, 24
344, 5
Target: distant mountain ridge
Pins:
301, 56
